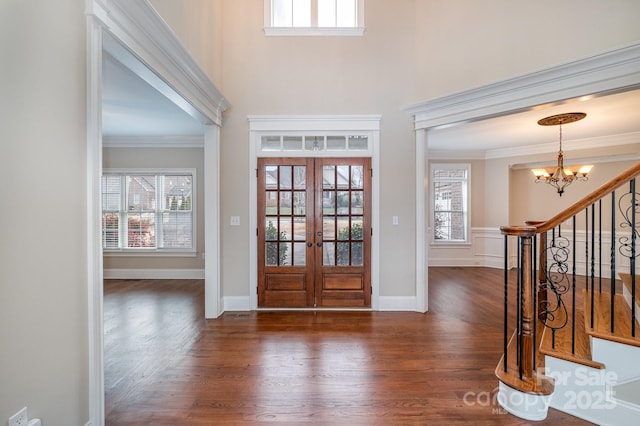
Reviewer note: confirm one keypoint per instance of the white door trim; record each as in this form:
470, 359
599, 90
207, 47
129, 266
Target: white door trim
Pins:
171, 70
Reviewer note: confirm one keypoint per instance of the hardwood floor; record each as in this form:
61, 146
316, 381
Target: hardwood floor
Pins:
166, 365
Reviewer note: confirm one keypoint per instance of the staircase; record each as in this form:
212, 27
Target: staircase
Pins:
575, 341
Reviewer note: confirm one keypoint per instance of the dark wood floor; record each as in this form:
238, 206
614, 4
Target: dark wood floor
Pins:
166, 365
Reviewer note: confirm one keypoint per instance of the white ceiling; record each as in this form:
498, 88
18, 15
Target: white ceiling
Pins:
132, 107
609, 119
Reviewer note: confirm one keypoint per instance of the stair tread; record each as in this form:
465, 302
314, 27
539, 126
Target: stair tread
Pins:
539, 384
563, 349
626, 281
602, 319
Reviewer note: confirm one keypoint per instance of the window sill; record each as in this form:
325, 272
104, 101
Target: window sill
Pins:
149, 253
319, 31
450, 244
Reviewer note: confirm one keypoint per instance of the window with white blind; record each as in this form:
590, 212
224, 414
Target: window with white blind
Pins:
450, 202
145, 211
314, 17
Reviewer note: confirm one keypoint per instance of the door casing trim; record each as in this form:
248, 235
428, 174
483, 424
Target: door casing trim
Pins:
366, 124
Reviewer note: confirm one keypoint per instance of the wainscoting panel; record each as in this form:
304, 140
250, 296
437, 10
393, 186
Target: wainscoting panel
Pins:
486, 249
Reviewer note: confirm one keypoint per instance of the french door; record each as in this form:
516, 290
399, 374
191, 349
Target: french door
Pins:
314, 232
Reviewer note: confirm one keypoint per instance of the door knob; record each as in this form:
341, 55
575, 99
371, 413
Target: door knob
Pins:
319, 244
309, 244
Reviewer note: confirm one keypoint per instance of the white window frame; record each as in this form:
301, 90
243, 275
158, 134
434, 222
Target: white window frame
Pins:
157, 251
467, 203
313, 29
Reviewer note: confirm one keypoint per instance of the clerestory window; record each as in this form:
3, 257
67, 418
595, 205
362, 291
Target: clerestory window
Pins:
314, 17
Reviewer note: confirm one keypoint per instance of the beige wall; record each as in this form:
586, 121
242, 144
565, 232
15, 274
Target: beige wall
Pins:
462, 43
199, 24
410, 52
155, 158
322, 75
43, 260
531, 201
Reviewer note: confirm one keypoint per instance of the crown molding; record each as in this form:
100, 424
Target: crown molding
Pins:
608, 72
448, 154
567, 145
545, 148
154, 142
167, 65
314, 122
576, 161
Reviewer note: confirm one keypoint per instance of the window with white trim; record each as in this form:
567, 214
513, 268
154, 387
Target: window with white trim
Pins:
450, 202
314, 17
148, 211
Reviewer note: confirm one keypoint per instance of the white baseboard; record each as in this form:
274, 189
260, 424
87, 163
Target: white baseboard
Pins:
387, 303
487, 262
397, 303
153, 274
236, 303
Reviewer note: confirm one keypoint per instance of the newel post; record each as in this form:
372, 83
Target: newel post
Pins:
526, 308
542, 268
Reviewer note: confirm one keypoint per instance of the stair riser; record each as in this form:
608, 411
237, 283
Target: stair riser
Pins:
613, 354
522, 404
586, 393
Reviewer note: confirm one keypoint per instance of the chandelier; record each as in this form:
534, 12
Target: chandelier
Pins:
561, 176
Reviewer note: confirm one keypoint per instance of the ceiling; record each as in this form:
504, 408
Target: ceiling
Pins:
607, 116
134, 107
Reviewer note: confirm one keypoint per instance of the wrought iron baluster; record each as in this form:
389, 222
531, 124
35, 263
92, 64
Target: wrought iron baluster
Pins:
599, 245
573, 291
613, 260
632, 263
520, 306
534, 284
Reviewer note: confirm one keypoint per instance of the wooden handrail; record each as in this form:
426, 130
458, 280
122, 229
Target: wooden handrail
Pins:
519, 231
587, 201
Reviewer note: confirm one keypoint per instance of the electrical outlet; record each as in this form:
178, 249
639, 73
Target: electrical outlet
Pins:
20, 418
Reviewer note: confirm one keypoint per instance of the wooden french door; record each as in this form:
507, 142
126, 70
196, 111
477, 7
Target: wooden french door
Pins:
314, 232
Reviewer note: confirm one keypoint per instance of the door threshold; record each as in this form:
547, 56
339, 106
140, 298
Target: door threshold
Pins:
315, 309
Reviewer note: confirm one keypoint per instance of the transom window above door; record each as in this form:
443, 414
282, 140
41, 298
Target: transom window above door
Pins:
314, 135
314, 17
314, 143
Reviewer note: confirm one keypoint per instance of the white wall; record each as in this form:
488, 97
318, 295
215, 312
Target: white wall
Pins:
43, 287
